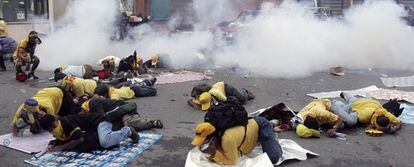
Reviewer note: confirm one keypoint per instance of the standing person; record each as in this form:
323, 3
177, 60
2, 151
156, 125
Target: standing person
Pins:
7, 44
24, 55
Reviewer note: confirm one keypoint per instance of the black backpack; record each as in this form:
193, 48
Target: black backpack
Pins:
225, 115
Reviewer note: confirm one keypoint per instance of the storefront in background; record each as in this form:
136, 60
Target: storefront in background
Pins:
22, 16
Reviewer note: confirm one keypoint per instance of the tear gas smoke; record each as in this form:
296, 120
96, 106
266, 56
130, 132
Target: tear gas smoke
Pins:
285, 41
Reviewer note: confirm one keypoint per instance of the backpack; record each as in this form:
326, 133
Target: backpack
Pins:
21, 76
225, 115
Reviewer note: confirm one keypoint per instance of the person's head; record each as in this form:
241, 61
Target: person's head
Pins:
59, 76
154, 59
199, 89
383, 123
203, 131
34, 38
48, 122
311, 122
102, 90
393, 107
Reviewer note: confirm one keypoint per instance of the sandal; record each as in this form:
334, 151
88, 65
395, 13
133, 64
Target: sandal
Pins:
157, 124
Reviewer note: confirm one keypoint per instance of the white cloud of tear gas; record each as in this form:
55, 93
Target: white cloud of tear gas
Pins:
289, 41
211, 12
82, 35
286, 41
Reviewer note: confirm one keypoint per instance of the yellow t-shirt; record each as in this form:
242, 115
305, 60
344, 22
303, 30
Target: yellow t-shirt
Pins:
232, 139
48, 98
319, 110
366, 109
123, 93
81, 86
218, 91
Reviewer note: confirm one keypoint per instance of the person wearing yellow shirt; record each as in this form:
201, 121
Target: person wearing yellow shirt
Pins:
225, 150
132, 64
126, 91
24, 54
220, 91
81, 89
45, 101
368, 112
315, 115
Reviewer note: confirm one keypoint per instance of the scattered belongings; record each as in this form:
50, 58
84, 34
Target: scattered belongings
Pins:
291, 150
117, 157
407, 116
335, 94
337, 71
280, 115
387, 94
398, 81
28, 143
180, 76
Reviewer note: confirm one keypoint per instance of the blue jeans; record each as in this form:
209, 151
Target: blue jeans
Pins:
344, 110
108, 138
268, 139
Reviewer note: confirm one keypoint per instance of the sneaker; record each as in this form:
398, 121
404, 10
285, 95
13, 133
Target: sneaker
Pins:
134, 135
32, 75
250, 95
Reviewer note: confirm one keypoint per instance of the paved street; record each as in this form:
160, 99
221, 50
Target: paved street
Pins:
179, 119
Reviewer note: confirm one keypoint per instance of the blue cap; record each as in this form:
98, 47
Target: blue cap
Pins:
31, 102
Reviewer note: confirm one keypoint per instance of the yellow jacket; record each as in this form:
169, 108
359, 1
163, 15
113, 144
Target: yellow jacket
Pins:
21, 49
218, 91
123, 93
318, 109
232, 139
368, 110
81, 87
48, 98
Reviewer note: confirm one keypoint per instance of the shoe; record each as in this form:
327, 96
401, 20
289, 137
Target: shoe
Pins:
250, 95
153, 81
342, 95
32, 75
157, 124
134, 135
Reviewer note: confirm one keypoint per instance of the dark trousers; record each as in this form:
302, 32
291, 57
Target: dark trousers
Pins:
2, 65
268, 139
144, 91
242, 95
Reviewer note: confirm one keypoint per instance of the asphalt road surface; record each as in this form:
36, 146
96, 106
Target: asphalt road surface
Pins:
179, 119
